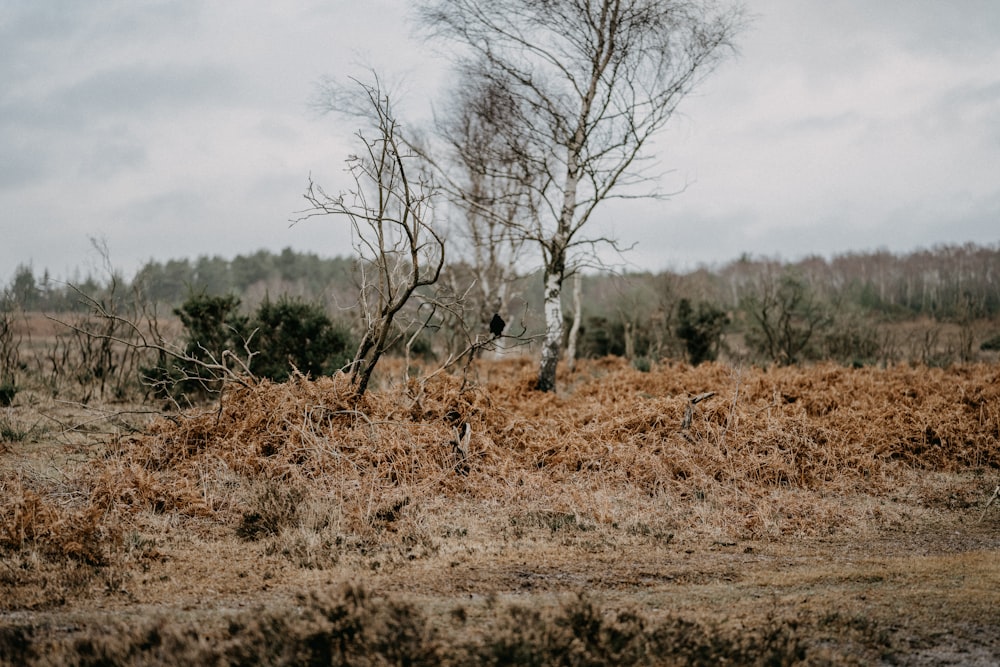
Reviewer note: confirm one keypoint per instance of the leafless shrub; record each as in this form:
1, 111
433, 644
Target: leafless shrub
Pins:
390, 210
10, 349
785, 317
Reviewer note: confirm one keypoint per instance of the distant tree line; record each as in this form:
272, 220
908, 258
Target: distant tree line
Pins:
253, 277
942, 283
853, 308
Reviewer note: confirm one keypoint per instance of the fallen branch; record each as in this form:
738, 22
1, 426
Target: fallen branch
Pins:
996, 492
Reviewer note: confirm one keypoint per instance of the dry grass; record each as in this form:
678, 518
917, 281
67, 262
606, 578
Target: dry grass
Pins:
773, 453
776, 485
352, 628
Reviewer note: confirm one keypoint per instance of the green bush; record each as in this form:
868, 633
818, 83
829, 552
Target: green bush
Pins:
991, 344
212, 326
8, 390
600, 337
292, 333
642, 364
280, 335
854, 341
701, 331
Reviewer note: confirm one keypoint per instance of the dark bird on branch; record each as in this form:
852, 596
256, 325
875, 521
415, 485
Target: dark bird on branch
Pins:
496, 325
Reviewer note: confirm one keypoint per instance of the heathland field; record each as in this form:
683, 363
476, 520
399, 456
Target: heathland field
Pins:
685, 515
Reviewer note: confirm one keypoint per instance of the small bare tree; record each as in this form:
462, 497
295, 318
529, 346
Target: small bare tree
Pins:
488, 181
390, 211
586, 85
99, 350
783, 316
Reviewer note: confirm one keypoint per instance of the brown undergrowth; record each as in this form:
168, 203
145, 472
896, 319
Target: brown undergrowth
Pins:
352, 628
774, 452
703, 491
785, 451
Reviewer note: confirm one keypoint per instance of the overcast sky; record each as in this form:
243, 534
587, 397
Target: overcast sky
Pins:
177, 129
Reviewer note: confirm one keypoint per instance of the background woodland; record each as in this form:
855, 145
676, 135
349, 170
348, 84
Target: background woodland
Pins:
934, 307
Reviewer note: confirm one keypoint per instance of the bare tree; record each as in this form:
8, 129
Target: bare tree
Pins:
585, 86
390, 212
488, 181
784, 315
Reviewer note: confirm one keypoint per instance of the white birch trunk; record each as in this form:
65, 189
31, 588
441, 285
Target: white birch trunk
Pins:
552, 345
574, 330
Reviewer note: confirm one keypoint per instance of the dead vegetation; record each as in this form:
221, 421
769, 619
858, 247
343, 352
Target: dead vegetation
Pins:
304, 477
809, 436
352, 628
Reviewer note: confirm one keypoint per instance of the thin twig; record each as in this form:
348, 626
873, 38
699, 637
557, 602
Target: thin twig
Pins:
996, 492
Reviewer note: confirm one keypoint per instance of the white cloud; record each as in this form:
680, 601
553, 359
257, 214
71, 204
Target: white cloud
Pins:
833, 132
177, 129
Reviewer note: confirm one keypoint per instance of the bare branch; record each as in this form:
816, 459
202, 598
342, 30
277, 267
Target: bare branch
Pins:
557, 103
390, 211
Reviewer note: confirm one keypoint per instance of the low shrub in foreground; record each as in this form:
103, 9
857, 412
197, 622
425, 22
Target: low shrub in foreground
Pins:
353, 628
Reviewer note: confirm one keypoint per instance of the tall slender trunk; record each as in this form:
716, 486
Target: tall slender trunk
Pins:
555, 269
552, 344
629, 332
574, 329
555, 272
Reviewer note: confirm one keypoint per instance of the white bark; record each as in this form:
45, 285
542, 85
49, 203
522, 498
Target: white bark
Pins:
574, 330
553, 332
